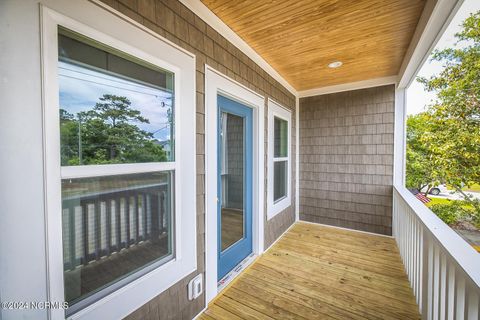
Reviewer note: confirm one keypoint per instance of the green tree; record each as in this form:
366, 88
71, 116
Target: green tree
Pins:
108, 133
419, 173
453, 137
68, 137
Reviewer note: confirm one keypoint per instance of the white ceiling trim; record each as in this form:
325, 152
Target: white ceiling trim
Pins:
216, 23
430, 28
349, 86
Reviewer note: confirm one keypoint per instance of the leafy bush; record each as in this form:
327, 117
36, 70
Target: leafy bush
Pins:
474, 213
451, 212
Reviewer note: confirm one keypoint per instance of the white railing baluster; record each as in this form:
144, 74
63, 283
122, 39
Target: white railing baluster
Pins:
451, 292
424, 296
422, 278
412, 244
409, 247
419, 264
431, 280
416, 256
436, 283
460, 298
473, 312
444, 271
443, 285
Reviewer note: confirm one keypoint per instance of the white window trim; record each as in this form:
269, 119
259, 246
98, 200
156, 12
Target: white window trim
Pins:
94, 22
215, 83
276, 110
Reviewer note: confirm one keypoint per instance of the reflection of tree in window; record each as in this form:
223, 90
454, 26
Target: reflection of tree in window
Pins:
107, 134
115, 108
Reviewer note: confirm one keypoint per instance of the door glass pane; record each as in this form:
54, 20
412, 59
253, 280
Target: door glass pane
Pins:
279, 180
232, 155
280, 127
114, 108
114, 226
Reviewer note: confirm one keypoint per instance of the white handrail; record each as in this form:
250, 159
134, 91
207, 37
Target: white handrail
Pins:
443, 269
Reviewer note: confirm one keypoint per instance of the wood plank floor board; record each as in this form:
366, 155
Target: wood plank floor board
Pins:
259, 301
327, 311
321, 272
335, 267
340, 252
352, 252
360, 284
204, 316
381, 267
252, 285
358, 238
331, 292
365, 263
350, 234
365, 258
333, 295
241, 309
350, 244
217, 312
385, 249
389, 287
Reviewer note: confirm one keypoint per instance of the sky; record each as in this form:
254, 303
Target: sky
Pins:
417, 98
81, 88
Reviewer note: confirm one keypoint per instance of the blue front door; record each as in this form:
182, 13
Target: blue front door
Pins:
234, 184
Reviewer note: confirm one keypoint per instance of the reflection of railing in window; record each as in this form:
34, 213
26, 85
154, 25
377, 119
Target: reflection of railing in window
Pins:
101, 225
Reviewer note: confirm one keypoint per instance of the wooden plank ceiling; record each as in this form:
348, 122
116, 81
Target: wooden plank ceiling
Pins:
299, 38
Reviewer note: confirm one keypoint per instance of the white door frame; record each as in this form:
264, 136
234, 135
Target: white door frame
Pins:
216, 83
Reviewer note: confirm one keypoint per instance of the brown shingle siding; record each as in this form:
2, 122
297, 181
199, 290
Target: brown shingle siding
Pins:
145, 9
132, 4
346, 159
130, 12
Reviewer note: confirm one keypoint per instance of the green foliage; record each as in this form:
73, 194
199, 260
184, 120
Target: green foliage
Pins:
474, 187
452, 123
68, 138
450, 212
418, 171
453, 211
434, 201
107, 134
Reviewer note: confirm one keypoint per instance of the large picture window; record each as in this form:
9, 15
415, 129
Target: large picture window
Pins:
114, 110
279, 156
120, 173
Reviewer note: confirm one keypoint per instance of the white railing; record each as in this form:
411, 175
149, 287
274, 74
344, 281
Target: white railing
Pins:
443, 269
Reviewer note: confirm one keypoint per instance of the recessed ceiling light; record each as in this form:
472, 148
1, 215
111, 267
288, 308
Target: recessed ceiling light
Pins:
335, 64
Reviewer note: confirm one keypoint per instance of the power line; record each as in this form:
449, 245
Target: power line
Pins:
107, 85
112, 80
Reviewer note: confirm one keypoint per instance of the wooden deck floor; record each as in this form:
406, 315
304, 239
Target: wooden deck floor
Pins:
319, 272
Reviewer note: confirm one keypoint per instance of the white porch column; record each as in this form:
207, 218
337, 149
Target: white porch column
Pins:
399, 138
